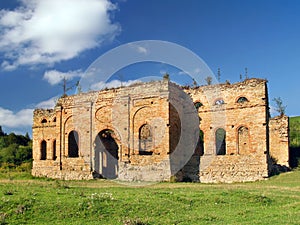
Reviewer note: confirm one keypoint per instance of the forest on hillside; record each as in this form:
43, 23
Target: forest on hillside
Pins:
294, 133
15, 150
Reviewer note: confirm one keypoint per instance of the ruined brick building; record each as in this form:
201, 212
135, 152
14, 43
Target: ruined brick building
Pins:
147, 132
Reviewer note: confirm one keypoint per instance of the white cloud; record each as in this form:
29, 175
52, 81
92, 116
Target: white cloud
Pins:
138, 48
183, 73
23, 118
162, 72
10, 119
141, 49
55, 77
47, 104
113, 84
197, 70
49, 31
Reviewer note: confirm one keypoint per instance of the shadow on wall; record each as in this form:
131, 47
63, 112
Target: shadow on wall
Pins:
106, 155
190, 171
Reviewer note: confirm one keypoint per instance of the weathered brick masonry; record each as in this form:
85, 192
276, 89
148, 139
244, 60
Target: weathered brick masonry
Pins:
132, 133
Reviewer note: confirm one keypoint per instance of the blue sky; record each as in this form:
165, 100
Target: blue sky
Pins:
41, 41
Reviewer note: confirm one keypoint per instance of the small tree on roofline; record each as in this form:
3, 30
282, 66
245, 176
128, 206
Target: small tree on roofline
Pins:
208, 80
166, 77
280, 108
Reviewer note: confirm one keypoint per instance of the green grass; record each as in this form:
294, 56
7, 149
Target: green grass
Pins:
44, 201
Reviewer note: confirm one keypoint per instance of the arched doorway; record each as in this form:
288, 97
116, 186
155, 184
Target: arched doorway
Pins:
106, 155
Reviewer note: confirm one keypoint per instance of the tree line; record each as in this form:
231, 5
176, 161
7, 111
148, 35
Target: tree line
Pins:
14, 149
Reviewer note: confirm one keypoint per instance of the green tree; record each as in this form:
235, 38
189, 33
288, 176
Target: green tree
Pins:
1, 132
8, 154
23, 154
2, 143
11, 139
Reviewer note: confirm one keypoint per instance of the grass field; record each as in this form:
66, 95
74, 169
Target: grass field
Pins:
25, 200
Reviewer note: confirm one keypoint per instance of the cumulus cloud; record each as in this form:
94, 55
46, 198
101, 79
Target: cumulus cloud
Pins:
113, 84
10, 119
47, 104
141, 49
49, 31
162, 72
55, 77
23, 118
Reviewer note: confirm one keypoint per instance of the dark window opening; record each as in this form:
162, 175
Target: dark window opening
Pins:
220, 142
43, 150
73, 139
200, 144
174, 128
145, 140
198, 105
242, 100
54, 120
44, 121
54, 150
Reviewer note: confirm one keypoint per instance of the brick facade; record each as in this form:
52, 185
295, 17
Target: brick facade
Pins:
148, 131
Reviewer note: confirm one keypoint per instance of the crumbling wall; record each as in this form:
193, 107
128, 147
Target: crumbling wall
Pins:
147, 121
241, 111
279, 140
121, 111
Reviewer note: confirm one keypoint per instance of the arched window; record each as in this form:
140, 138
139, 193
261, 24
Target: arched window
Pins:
243, 140
73, 139
44, 121
200, 145
43, 150
54, 120
220, 141
219, 102
198, 105
54, 150
242, 100
145, 140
